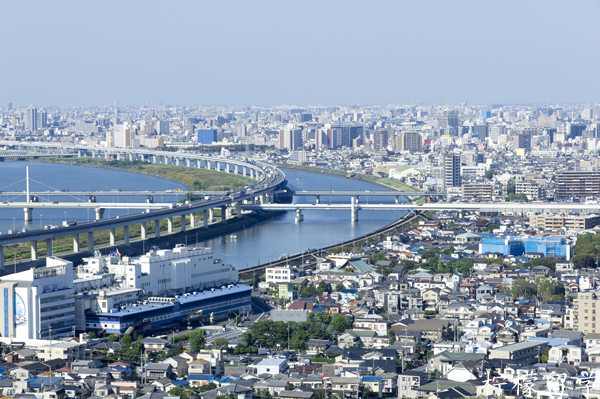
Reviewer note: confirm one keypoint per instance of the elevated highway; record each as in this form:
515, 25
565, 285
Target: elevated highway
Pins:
354, 207
268, 180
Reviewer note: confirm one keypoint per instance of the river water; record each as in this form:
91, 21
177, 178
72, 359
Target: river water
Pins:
261, 243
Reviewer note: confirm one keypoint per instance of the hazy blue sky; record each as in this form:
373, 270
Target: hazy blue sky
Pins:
304, 52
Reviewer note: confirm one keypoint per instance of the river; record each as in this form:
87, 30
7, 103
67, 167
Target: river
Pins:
261, 243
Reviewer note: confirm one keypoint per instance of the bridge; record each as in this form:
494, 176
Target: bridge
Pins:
366, 193
354, 207
107, 193
193, 214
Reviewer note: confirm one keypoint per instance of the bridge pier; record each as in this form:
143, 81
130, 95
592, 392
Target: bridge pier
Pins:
143, 230
34, 254
299, 216
183, 223
112, 234
99, 213
317, 199
75, 243
192, 220
28, 214
126, 235
157, 228
218, 168
205, 217
353, 209
223, 213
91, 241
49, 247
170, 224
397, 200
211, 215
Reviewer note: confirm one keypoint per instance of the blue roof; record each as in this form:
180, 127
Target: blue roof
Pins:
179, 383
44, 381
183, 299
371, 378
207, 377
349, 291
218, 292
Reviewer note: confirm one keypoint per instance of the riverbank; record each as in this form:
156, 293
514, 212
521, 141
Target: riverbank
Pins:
192, 178
380, 181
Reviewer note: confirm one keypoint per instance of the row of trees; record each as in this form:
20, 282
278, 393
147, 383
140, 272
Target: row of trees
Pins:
271, 334
544, 289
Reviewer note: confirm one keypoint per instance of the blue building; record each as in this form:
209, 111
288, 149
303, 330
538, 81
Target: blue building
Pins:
207, 136
162, 311
516, 246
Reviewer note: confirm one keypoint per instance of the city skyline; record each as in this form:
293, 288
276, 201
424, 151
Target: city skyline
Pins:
270, 53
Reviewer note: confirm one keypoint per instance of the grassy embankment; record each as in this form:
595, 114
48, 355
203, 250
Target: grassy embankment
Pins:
384, 181
192, 178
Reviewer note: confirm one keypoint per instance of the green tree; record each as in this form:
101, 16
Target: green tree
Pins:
220, 343
549, 289
339, 323
583, 261
113, 338
126, 341
197, 340
521, 288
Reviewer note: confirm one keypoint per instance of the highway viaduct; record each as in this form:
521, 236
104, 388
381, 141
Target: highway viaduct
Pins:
269, 180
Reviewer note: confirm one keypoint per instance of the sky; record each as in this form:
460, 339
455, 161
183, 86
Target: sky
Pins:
309, 52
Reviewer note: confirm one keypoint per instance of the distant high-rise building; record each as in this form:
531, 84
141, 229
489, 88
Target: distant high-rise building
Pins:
162, 127
409, 141
577, 184
207, 136
340, 136
480, 131
522, 141
31, 118
42, 119
321, 140
380, 140
122, 136
575, 130
449, 122
290, 138
452, 171
242, 130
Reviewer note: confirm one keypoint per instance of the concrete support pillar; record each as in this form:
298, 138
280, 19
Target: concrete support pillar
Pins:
34, 254
205, 217
99, 213
223, 213
126, 235
143, 231
75, 243
397, 200
236, 169
1, 257
192, 220
91, 241
112, 234
211, 215
207, 164
218, 168
177, 162
28, 214
183, 223
317, 199
245, 170
157, 228
299, 216
49, 247
353, 209
198, 164
165, 160
188, 162
154, 159
170, 224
